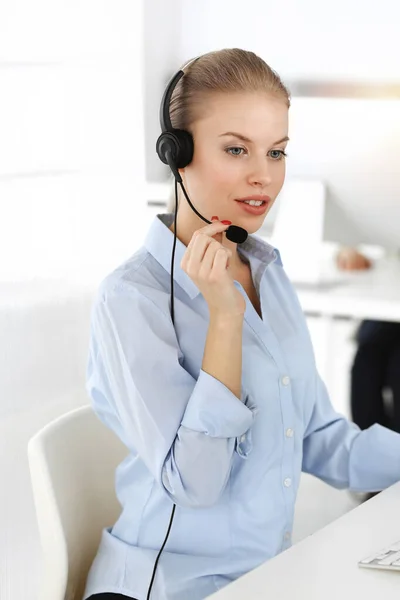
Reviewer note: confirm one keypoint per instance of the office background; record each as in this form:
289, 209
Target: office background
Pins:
80, 84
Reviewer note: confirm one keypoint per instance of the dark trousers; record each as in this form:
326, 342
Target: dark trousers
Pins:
109, 596
376, 367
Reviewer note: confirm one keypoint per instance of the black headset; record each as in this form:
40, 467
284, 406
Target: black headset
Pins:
175, 148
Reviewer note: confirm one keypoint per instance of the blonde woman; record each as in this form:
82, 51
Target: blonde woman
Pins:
222, 410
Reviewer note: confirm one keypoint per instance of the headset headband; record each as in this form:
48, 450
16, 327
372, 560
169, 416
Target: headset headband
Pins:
165, 118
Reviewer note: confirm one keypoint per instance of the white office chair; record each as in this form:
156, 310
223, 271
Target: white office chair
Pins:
72, 462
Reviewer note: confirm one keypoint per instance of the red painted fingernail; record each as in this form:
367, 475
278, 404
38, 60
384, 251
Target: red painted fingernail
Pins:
213, 218
227, 222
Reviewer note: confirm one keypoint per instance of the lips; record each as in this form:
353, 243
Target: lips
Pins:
258, 198
253, 210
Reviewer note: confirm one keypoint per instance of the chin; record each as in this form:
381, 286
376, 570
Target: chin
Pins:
252, 224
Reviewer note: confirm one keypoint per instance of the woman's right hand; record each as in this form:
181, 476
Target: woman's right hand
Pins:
206, 262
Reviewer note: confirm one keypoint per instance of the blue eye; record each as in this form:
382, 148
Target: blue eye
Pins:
232, 151
281, 153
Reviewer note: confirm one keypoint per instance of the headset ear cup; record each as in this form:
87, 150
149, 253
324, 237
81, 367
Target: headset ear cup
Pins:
179, 143
186, 148
167, 141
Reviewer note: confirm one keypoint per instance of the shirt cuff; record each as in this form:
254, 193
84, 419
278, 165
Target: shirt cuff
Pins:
375, 459
215, 411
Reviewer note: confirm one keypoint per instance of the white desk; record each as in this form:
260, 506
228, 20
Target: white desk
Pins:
371, 294
324, 565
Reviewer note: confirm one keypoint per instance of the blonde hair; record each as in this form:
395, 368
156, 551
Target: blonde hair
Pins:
229, 70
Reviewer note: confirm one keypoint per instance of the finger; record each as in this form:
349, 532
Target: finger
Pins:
209, 230
213, 228
219, 237
209, 257
206, 264
220, 264
198, 252
217, 227
193, 240
197, 241
223, 239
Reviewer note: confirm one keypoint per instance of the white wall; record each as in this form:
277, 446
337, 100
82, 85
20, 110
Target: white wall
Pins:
301, 38
72, 136
162, 50
80, 88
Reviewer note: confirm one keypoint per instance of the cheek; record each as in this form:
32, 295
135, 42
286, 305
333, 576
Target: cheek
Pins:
280, 174
226, 172
224, 177
214, 172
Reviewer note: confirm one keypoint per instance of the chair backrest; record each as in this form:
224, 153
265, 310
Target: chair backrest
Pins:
72, 462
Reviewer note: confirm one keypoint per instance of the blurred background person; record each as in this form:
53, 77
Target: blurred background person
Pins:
376, 365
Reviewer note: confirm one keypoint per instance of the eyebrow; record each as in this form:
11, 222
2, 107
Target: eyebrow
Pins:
246, 139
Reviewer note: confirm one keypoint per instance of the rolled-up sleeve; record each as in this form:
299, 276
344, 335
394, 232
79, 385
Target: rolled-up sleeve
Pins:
339, 453
184, 429
230, 418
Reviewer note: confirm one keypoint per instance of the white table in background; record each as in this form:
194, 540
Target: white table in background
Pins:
371, 294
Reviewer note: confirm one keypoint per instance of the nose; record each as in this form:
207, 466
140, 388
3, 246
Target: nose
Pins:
260, 173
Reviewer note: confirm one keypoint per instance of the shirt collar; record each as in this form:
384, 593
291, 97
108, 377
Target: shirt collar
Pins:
159, 242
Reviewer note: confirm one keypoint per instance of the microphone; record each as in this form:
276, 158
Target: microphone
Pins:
234, 233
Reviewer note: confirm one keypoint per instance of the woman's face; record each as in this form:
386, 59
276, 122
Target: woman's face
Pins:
239, 141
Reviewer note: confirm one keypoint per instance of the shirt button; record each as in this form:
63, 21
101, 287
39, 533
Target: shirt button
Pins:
285, 380
289, 433
287, 536
287, 482
243, 438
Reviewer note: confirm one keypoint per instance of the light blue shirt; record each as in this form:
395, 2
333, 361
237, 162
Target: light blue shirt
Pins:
231, 466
